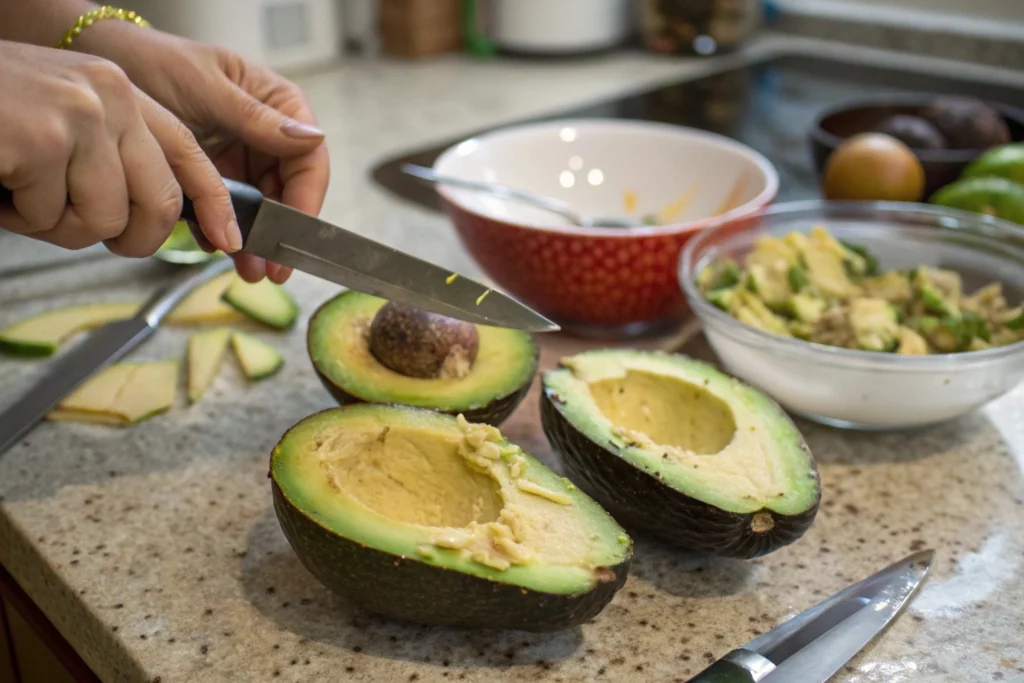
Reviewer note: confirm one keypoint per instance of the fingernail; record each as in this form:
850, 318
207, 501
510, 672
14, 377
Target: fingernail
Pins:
234, 236
297, 129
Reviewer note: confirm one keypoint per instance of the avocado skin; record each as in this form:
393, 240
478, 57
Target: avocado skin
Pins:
409, 590
494, 413
644, 502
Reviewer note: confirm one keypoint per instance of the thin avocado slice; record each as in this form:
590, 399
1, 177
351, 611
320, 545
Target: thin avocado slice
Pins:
204, 304
487, 391
424, 517
122, 394
674, 447
43, 334
265, 301
258, 359
205, 353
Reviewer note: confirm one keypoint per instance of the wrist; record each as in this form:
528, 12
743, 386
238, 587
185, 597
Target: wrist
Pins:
40, 23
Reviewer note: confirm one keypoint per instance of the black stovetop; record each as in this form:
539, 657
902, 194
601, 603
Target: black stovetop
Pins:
768, 104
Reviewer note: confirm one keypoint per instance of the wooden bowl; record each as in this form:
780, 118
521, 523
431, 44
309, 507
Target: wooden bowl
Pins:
941, 166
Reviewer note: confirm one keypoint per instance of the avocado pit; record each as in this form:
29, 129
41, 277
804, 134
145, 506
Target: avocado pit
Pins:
418, 343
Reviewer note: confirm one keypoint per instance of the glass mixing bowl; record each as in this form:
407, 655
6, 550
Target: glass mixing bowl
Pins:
863, 389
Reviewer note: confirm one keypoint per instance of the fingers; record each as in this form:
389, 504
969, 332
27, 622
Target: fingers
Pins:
155, 194
265, 128
196, 175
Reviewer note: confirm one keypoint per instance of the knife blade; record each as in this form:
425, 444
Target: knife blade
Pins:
812, 646
101, 347
290, 237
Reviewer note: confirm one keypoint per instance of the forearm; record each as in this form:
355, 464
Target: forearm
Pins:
39, 22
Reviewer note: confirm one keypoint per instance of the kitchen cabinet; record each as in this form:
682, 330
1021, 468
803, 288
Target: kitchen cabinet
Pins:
31, 648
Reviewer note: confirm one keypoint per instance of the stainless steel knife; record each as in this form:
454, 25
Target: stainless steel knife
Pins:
101, 347
287, 236
812, 646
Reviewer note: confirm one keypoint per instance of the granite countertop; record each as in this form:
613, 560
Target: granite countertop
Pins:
155, 551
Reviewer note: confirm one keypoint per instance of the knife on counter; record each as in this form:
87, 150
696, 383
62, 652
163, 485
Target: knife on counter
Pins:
290, 237
812, 646
99, 348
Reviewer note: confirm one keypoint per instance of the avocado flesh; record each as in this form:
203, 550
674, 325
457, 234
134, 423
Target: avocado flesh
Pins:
445, 517
497, 381
672, 446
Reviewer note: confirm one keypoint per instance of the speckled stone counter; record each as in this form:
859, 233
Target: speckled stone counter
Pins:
155, 551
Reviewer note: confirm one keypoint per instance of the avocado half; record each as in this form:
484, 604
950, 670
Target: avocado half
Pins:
424, 517
672, 446
338, 345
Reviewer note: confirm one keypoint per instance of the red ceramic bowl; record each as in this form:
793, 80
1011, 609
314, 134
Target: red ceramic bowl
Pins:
599, 281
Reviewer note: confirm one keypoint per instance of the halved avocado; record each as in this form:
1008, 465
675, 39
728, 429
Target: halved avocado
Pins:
674, 447
338, 344
424, 517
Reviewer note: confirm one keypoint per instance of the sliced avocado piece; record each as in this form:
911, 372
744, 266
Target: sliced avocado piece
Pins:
427, 518
798, 280
674, 447
205, 353
939, 289
893, 286
723, 272
801, 329
338, 343
43, 334
910, 343
258, 359
265, 301
721, 297
865, 264
824, 261
204, 304
807, 308
854, 261
122, 394
875, 324
772, 252
770, 283
747, 308
1017, 323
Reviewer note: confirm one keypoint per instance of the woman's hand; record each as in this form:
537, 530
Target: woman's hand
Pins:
90, 158
255, 125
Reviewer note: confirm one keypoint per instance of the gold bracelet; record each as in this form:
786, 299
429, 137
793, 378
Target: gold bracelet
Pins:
92, 16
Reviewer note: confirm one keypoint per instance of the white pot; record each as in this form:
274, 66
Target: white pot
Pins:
558, 26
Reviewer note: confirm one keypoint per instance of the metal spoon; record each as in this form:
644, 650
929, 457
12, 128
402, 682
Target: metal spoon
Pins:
547, 203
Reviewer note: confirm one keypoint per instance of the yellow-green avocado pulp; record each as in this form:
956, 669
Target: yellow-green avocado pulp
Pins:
367, 493
338, 346
673, 446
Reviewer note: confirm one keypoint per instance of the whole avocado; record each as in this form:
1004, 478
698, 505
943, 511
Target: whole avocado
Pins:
992, 196
912, 131
1001, 162
967, 123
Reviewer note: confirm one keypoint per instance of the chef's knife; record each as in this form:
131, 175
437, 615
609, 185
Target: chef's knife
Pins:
101, 347
812, 646
290, 237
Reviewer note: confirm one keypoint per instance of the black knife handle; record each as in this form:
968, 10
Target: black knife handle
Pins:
245, 199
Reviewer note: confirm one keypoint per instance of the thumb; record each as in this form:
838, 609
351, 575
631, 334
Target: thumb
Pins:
266, 129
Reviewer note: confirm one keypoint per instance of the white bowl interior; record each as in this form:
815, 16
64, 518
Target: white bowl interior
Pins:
681, 174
